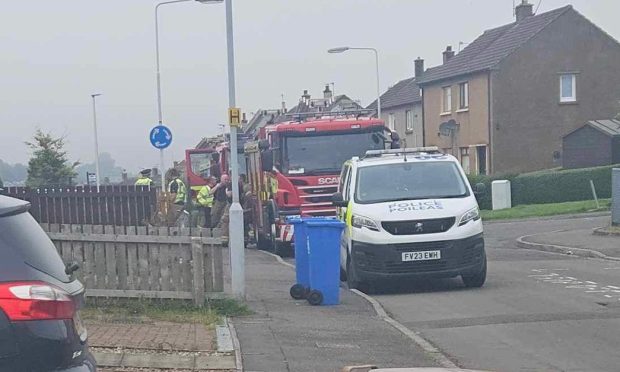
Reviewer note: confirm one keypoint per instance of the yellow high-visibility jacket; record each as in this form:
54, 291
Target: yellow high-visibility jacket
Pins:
205, 198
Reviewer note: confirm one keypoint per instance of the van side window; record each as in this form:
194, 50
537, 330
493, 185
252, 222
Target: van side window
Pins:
347, 188
343, 178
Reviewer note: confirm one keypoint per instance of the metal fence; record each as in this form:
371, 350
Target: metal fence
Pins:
130, 262
112, 205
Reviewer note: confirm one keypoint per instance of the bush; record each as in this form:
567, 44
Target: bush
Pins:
561, 186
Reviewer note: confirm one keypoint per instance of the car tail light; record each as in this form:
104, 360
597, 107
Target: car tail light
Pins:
22, 301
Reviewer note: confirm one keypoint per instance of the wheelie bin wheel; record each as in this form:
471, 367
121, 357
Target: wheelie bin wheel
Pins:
315, 298
298, 292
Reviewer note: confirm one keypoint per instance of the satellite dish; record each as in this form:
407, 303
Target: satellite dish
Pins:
448, 128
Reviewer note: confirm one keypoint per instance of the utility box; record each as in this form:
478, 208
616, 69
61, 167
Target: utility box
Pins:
615, 197
500, 194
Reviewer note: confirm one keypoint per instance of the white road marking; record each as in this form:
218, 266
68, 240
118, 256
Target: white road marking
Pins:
590, 287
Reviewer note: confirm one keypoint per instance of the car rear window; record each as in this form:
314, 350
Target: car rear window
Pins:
22, 234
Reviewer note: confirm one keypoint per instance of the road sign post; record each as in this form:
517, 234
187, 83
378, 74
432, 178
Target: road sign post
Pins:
161, 138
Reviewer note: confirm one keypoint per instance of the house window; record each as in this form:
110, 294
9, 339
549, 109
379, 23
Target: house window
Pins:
465, 159
568, 88
446, 100
409, 118
392, 121
464, 96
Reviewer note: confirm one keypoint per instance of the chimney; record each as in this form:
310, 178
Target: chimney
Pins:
524, 10
448, 54
305, 98
419, 67
327, 93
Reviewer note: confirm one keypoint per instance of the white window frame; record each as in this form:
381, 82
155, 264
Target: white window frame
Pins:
391, 121
464, 98
573, 96
446, 100
409, 120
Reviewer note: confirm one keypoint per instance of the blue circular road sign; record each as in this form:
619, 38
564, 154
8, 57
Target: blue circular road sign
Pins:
161, 137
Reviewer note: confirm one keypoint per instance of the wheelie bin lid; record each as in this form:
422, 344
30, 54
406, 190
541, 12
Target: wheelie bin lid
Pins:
324, 222
296, 220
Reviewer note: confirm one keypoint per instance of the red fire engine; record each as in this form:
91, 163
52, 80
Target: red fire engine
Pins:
294, 169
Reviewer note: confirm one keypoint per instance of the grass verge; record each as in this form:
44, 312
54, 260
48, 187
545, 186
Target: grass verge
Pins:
176, 311
542, 210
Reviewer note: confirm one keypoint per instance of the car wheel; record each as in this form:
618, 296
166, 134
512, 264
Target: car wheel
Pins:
476, 280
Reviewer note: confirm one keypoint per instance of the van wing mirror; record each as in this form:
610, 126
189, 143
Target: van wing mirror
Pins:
338, 200
266, 160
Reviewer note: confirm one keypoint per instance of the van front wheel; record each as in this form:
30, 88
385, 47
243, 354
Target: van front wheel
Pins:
476, 280
353, 281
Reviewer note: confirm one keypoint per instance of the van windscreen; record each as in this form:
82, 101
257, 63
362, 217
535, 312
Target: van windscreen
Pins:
409, 181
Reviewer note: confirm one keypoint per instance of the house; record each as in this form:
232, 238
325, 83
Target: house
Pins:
401, 108
596, 143
503, 104
328, 104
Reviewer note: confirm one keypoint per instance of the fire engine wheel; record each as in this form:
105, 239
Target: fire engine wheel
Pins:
264, 244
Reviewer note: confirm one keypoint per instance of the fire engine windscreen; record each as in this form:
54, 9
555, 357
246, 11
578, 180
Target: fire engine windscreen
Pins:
325, 154
409, 181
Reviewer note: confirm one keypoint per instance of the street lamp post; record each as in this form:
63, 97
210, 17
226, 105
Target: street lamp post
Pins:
344, 49
236, 233
159, 109
94, 96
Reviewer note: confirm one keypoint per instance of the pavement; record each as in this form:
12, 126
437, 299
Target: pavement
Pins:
538, 311
580, 242
144, 345
289, 335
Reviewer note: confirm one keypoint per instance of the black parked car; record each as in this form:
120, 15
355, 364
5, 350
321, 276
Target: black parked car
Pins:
40, 301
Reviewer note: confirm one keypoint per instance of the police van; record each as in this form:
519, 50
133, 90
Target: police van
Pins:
410, 213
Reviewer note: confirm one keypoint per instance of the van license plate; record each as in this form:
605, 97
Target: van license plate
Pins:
421, 256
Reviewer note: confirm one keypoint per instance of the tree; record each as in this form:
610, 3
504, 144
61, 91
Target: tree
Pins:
48, 165
13, 173
108, 169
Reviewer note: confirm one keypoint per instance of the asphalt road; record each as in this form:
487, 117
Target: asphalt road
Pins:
538, 311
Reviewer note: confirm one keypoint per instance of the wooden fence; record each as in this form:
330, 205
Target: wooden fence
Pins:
112, 205
142, 263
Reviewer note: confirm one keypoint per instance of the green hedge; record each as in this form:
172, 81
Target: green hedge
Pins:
551, 186
561, 186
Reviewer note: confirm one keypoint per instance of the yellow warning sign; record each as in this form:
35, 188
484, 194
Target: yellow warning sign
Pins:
234, 117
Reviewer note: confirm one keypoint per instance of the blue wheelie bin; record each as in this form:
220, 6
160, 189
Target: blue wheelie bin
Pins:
302, 271
324, 246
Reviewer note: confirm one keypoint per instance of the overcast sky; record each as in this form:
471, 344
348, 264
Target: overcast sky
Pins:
54, 54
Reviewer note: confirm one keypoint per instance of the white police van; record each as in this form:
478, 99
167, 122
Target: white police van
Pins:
410, 213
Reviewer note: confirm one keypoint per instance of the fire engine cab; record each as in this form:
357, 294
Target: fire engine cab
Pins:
294, 169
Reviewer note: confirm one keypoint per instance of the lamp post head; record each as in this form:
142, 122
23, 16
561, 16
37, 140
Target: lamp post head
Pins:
338, 50
95, 95
210, 1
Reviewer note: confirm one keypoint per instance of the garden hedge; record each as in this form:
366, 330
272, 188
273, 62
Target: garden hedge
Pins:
552, 186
